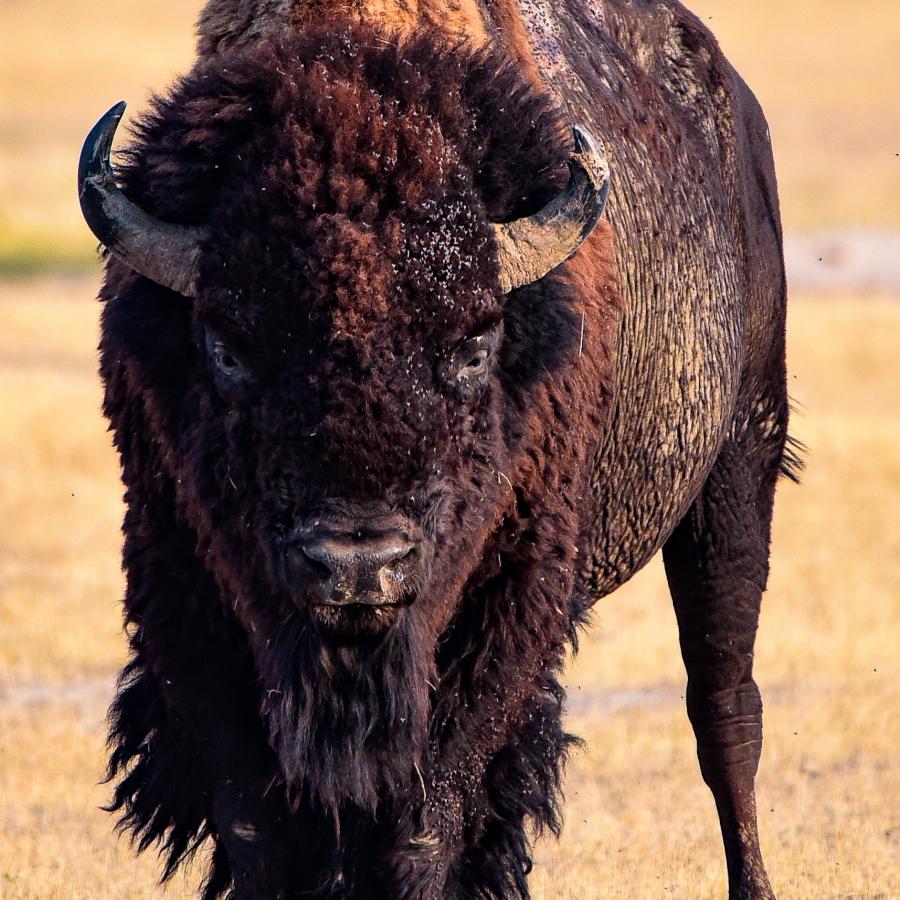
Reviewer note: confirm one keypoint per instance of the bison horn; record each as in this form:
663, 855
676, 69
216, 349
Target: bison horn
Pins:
530, 248
166, 253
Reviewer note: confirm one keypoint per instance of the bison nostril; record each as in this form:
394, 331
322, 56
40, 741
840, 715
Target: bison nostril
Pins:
396, 555
393, 565
323, 571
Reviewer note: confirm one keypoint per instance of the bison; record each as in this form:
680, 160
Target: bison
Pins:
395, 407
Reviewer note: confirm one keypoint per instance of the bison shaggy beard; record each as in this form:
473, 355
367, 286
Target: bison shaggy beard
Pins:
348, 715
378, 226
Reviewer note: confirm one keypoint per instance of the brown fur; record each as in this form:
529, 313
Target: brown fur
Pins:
227, 23
638, 401
344, 273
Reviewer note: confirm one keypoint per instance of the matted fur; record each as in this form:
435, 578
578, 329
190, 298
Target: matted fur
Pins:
348, 180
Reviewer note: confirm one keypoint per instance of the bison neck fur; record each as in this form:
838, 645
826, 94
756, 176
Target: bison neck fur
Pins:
406, 761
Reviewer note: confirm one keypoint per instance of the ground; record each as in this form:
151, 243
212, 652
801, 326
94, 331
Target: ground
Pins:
639, 821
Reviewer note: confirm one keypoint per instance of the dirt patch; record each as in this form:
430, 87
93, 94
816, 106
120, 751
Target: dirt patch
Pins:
852, 260
84, 692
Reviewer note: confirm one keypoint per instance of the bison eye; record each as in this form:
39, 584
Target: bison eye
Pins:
227, 364
227, 368
476, 365
468, 367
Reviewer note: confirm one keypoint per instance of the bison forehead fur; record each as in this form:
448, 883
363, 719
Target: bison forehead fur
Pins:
346, 184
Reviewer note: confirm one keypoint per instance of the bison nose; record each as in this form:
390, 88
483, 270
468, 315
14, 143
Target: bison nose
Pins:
355, 570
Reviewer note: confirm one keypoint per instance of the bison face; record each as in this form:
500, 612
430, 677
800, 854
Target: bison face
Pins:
354, 392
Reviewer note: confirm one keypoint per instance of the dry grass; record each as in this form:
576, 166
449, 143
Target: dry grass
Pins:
826, 74
639, 820
61, 66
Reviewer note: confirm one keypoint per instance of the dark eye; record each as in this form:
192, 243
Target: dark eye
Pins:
467, 368
476, 365
225, 361
226, 366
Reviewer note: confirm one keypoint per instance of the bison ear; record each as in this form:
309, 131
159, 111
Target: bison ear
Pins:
166, 253
530, 248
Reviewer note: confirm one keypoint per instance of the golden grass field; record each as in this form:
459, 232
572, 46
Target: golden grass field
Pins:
639, 821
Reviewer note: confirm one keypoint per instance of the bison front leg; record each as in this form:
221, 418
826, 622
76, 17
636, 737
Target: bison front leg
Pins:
717, 565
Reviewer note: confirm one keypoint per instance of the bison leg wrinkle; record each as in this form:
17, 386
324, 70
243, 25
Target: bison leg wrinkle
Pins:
717, 564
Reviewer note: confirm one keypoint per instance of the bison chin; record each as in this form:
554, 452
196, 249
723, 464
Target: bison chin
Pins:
358, 619
348, 714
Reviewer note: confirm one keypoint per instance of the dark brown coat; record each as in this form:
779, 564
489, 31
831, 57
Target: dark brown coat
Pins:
348, 159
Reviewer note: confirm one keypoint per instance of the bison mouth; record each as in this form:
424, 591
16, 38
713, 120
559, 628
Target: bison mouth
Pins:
360, 617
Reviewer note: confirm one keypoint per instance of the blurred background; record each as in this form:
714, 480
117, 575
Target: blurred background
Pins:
639, 821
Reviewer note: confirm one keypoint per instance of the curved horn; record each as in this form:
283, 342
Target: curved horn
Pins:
163, 252
530, 248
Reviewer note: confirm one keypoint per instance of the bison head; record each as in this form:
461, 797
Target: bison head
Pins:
326, 302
